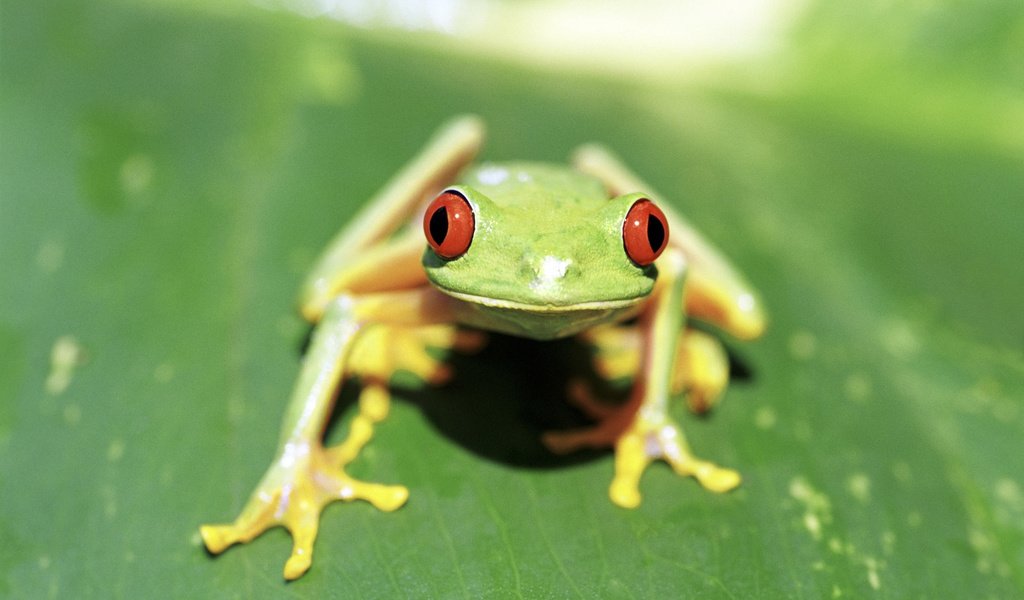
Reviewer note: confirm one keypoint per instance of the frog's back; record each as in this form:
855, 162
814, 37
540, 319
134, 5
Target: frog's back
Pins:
524, 184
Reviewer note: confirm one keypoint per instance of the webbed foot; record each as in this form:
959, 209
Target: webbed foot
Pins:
303, 479
382, 350
647, 441
638, 439
292, 494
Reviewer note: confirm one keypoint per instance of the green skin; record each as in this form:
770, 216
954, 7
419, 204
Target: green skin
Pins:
547, 258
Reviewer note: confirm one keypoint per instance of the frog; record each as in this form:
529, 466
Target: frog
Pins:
451, 247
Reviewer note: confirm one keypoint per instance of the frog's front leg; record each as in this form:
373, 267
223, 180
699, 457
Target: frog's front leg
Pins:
304, 476
700, 371
642, 430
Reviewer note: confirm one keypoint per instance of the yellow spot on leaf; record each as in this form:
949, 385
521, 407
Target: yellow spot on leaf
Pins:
164, 372
817, 508
65, 355
802, 345
902, 472
873, 579
115, 450
857, 387
859, 487
136, 174
765, 418
72, 414
899, 339
50, 256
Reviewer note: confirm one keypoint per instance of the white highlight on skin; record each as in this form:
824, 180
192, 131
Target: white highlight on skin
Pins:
492, 175
550, 271
282, 505
292, 453
660, 443
746, 302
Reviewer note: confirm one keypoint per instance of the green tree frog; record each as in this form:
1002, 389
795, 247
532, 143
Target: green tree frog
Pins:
530, 249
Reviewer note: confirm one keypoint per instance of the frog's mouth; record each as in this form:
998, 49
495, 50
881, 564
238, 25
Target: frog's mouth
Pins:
542, 321
544, 308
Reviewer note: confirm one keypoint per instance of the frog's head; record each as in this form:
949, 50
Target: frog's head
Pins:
549, 265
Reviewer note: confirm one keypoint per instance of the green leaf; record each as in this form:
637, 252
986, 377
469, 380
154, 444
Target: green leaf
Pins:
169, 171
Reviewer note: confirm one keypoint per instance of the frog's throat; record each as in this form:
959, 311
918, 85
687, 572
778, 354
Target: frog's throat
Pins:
543, 308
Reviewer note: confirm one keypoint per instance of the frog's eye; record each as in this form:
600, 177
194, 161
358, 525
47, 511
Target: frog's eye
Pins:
644, 232
449, 224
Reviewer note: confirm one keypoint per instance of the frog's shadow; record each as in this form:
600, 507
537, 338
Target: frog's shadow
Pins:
502, 398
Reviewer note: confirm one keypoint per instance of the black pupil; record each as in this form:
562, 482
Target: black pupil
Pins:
439, 225
655, 232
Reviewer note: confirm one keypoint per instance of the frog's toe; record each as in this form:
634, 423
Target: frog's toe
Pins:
410, 350
711, 476
382, 350
292, 494
616, 351
256, 518
630, 462
715, 478
217, 538
645, 442
303, 535
414, 357
449, 337
386, 498
625, 493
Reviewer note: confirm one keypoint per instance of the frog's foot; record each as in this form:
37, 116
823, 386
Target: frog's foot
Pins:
303, 479
639, 441
616, 350
292, 494
646, 441
381, 350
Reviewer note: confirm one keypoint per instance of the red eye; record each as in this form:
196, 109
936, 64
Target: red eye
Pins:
449, 225
644, 232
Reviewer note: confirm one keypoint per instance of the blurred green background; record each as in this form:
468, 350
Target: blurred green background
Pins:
169, 170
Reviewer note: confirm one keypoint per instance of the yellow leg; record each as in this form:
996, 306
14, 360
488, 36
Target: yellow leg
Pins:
642, 430
700, 369
304, 476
